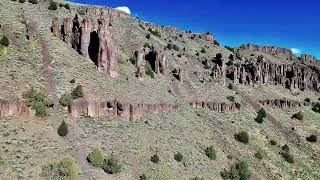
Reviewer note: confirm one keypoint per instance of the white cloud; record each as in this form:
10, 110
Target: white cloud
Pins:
296, 51
124, 9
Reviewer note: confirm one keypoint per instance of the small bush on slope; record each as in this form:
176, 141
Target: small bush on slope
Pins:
111, 166
65, 169
5, 41
66, 99
155, 159
242, 137
178, 157
95, 158
298, 116
312, 138
63, 129
38, 101
238, 171
77, 92
211, 152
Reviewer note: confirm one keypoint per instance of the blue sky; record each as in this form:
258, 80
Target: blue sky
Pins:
284, 23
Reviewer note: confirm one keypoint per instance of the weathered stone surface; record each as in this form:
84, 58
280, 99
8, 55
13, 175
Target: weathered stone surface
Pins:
267, 49
140, 64
283, 103
83, 107
15, 108
309, 58
216, 107
92, 38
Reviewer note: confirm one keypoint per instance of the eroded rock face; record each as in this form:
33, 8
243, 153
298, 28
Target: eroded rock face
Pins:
14, 108
92, 38
157, 60
309, 58
290, 76
216, 107
140, 64
267, 49
83, 107
283, 103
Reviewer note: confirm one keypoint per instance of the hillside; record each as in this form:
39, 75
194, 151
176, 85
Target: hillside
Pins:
138, 92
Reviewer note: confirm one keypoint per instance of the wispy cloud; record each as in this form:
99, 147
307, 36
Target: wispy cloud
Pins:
296, 50
124, 9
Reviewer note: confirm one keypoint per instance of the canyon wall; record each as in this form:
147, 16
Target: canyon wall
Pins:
283, 103
92, 38
14, 108
267, 49
216, 107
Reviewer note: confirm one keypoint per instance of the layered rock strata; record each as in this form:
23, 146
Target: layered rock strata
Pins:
216, 107
283, 103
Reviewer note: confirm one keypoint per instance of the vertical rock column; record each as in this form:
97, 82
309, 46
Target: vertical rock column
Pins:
107, 51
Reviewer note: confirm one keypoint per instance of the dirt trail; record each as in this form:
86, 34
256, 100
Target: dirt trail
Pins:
79, 151
10, 36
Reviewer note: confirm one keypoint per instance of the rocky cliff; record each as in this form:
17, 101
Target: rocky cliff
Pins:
92, 38
267, 49
14, 108
309, 58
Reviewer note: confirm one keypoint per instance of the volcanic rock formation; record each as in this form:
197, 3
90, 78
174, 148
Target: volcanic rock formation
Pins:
14, 108
92, 38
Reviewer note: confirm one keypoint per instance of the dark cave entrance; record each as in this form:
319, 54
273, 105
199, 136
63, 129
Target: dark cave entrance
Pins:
93, 49
151, 58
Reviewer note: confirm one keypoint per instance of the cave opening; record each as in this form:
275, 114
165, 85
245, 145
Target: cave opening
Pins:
151, 58
93, 49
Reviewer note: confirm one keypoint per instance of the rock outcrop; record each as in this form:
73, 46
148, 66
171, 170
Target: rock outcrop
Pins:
14, 108
140, 64
283, 103
216, 107
83, 107
309, 58
267, 49
92, 38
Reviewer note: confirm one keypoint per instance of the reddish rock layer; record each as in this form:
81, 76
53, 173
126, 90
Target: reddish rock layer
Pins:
283, 103
14, 108
216, 107
83, 107
92, 38
309, 58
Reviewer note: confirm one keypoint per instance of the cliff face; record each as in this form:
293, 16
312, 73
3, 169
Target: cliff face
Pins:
83, 107
283, 103
216, 107
267, 49
91, 38
290, 76
14, 108
309, 58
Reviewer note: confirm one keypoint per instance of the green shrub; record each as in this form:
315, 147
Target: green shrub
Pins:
229, 48
95, 158
33, 1
298, 116
147, 45
72, 81
287, 157
259, 119
67, 6
242, 137
179, 55
238, 171
262, 113
53, 5
148, 36
66, 100
77, 92
198, 178
22, 1
5, 41
149, 70
307, 100
230, 98
273, 142
230, 86
143, 177
155, 33
312, 138
229, 63
211, 152
169, 46
155, 159
178, 157
285, 148
41, 110
38, 101
258, 154
176, 47
63, 129
316, 108
203, 50
65, 169
111, 166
